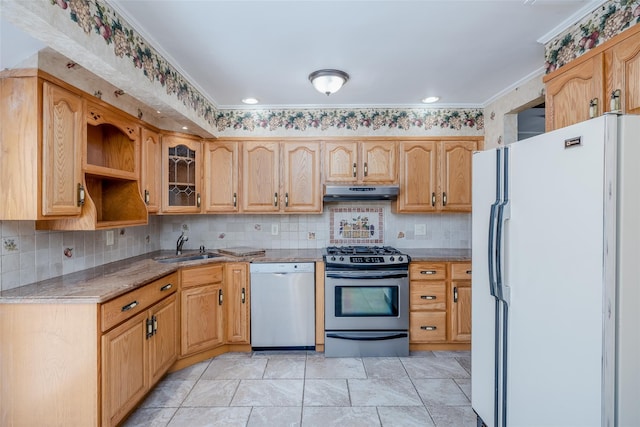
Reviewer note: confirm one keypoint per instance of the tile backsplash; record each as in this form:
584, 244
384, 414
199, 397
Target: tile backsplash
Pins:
28, 255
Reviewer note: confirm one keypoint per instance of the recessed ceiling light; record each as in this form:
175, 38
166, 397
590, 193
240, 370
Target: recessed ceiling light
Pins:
250, 101
159, 112
430, 99
184, 128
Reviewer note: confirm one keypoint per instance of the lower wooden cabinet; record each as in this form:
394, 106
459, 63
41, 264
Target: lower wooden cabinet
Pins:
237, 306
440, 304
137, 353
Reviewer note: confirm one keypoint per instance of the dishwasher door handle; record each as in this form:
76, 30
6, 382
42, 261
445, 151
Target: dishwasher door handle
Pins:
357, 337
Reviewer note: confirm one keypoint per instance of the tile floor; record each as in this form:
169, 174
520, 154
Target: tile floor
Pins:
306, 389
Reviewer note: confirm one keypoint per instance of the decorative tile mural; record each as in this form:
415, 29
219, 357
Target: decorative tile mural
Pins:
356, 226
599, 26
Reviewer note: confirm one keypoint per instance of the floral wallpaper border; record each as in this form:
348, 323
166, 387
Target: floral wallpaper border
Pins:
352, 119
599, 26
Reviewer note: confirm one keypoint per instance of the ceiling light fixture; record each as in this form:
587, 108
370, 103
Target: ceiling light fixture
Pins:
430, 99
250, 101
328, 81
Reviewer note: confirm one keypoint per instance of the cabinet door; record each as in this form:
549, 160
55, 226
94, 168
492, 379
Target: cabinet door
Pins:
460, 311
455, 175
124, 369
378, 160
301, 170
340, 161
62, 142
221, 177
260, 177
202, 318
569, 93
237, 305
151, 177
622, 63
418, 175
182, 177
163, 345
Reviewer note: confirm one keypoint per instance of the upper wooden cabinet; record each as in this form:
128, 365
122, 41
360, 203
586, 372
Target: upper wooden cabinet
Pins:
622, 62
150, 177
181, 174
41, 139
435, 176
573, 96
360, 161
263, 164
588, 86
220, 177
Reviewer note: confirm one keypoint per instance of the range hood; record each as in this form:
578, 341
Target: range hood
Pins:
339, 193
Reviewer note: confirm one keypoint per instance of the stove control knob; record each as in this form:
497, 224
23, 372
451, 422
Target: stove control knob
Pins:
333, 258
400, 259
391, 259
341, 258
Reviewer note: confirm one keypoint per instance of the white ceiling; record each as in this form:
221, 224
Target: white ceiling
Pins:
396, 51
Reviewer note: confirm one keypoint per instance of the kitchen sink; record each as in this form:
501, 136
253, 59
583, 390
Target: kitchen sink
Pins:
187, 257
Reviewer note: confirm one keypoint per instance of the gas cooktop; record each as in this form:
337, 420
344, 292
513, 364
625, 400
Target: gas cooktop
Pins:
364, 256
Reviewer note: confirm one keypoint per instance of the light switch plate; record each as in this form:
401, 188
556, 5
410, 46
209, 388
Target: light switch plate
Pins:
420, 229
110, 238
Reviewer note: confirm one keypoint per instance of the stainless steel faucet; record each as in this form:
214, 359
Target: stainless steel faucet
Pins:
180, 242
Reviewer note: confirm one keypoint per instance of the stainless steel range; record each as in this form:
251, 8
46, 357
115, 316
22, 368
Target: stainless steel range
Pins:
366, 301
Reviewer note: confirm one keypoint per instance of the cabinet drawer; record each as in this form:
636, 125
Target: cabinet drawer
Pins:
125, 306
427, 326
427, 271
427, 296
202, 275
461, 271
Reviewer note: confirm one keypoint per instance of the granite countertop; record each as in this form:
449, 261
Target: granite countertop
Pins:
100, 284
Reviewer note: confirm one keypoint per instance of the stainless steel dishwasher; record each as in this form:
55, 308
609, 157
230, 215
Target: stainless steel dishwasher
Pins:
282, 306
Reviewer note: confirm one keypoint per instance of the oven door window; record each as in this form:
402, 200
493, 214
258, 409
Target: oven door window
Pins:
366, 301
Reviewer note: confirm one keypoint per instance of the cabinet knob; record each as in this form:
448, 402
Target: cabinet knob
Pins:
81, 195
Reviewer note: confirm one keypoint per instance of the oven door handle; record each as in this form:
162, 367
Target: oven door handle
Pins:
357, 276
356, 337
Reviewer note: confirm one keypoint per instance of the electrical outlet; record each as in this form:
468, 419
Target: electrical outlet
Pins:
420, 229
275, 229
110, 238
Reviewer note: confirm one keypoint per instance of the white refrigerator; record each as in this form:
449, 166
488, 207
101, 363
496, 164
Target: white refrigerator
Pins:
556, 278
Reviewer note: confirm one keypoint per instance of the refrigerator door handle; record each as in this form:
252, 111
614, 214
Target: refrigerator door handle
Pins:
492, 227
504, 213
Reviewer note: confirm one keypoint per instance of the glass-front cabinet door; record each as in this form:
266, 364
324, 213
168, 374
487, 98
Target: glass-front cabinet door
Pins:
182, 178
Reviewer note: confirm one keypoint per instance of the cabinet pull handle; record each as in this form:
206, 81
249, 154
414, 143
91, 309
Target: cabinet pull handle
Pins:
149, 328
429, 297
154, 320
593, 108
428, 328
468, 272
455, 294
428, 272
354, 170
235, 200
244, 295
198, 200
286, 200
129, 306
166, 287
433, 199
220, 297
146, 197
615, 100
275, 199
444, 198
366, 169
80, 195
